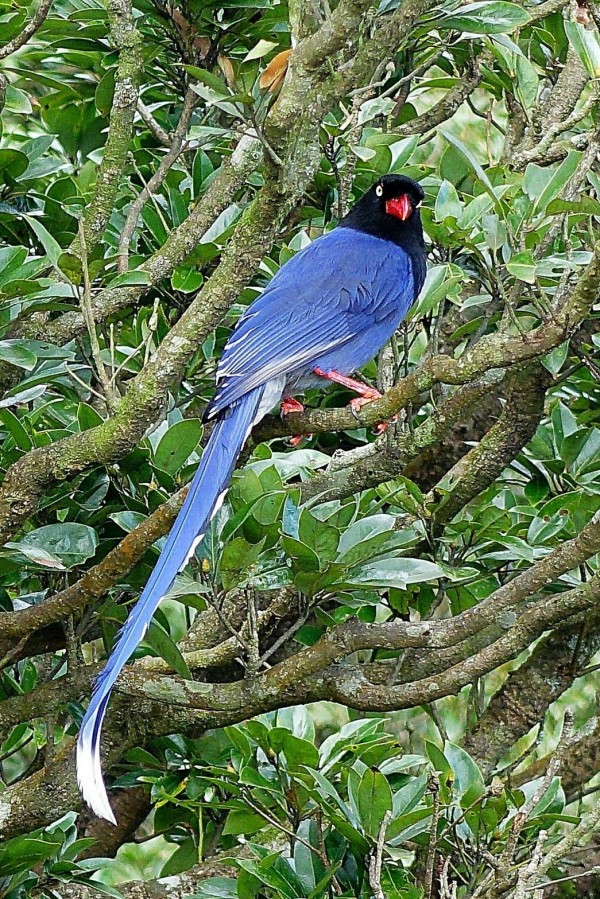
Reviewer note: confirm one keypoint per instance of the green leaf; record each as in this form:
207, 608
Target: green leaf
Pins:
182, 859
395, 573
438, 759
36, 554
447, 204
14, 353
475, 166
401, 151
299, 753
50, 245
213, 81
17, 101
309, 867
23, 396
16, 429
259, 50
374, 799
586, 44
12, 164
164, 646
136, 278
202, 168
70, 542
306, 557
25, 852
559, 180
177, 445
240, 821
494, 17
186, 279
105, 92
440, 281
468, 780
11, 260
522, 266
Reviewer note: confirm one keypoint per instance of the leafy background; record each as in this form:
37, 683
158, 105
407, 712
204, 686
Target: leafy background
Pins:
133, 234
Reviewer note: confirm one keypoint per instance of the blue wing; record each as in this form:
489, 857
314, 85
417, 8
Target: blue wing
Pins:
332, 306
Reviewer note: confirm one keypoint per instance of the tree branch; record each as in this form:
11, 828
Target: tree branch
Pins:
126, 39
525, 697
30, 29
176, 146
448, 105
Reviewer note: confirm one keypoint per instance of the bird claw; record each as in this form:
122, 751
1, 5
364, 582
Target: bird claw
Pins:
289, 404
294, 441
358, 402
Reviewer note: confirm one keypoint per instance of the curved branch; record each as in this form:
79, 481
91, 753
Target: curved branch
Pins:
353, 689
30, 29
98, 580
521, 414
387, 458
448, 105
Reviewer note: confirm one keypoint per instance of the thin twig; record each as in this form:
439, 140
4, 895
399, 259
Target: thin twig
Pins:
12, 652
540, 151
284, 637
157, 130
434, 785
252, 660
29, 30
85, 301
505, 872
176, 146
376, 860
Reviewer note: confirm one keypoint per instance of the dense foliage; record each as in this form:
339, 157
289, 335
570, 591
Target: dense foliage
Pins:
438, 582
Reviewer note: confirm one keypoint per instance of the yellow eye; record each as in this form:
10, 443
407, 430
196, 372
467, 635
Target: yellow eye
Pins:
379, 190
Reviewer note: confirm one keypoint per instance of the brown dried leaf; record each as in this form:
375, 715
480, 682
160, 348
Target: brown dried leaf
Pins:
181, 21
203, 44
227, 69
272, 77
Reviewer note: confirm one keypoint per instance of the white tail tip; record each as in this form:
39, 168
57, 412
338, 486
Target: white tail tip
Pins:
89, 776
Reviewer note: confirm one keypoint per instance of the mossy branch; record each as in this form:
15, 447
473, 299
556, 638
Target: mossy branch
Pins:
125, 37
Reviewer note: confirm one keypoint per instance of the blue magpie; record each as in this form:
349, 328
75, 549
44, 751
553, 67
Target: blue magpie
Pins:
325, 313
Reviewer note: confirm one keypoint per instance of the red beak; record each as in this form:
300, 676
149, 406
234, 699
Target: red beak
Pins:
401, 207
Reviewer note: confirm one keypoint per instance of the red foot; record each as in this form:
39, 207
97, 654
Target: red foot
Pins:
359, 401
289, 404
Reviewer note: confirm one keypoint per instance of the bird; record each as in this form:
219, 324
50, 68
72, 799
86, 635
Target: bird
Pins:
327, 311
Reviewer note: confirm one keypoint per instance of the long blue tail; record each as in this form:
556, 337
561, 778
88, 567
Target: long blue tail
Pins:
204, 498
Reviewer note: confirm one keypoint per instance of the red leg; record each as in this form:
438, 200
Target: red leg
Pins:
366, 394
369, 393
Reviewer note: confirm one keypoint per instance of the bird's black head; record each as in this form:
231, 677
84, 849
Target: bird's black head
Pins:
390, 210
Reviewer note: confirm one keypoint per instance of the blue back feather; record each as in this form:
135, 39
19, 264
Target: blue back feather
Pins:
335, 303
